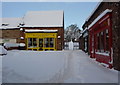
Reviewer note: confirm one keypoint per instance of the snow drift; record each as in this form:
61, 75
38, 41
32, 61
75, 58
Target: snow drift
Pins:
31, 66
54, 67
3, 51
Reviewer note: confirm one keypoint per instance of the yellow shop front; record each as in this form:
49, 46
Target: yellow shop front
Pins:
41, 41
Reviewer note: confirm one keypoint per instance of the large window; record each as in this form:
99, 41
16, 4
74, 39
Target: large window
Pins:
103, 41
32, 42
49, 42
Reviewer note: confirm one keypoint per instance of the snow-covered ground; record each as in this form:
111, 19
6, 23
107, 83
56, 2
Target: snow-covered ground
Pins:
0, 70
54, 67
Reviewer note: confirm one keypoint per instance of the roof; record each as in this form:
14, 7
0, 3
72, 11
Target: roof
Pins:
99, 17
10, 22
43, 19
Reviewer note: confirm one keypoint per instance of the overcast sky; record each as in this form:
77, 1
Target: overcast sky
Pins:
74, 12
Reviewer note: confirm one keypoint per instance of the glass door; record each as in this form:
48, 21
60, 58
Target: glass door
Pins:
40, 43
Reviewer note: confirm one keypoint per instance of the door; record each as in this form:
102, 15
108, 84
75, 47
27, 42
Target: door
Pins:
40, 44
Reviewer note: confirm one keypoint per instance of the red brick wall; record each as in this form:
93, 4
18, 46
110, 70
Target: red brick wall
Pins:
10, 34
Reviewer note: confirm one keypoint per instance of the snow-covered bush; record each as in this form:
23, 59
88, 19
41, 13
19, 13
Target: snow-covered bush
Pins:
3, 51
22, 44
8, 45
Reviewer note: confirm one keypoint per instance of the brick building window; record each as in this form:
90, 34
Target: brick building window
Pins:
102, 42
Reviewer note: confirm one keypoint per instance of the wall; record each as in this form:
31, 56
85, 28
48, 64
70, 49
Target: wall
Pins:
10, 34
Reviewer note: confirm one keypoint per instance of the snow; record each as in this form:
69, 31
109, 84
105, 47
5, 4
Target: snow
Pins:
12, 23
85, 34
21, 37
0, 70
43, 19
7, 45
59, 36
31, 66
22, 44
21, 29
2, 50
84, 30
54, 67
99, 17
40, 30
106, 54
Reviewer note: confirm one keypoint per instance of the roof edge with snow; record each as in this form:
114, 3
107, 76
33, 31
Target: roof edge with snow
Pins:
40, 30
42, 26
99, 17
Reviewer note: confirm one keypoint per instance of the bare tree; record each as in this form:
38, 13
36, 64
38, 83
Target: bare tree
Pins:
72, 32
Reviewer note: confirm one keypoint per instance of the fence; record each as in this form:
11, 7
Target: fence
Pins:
71, 45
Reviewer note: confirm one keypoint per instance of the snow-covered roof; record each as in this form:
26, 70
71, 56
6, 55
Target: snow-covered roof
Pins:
99, 17
84, 30
10, 23
30, 30
43, 19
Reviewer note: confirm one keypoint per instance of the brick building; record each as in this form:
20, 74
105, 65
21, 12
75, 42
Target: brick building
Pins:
103, 34
10, 30
38, 30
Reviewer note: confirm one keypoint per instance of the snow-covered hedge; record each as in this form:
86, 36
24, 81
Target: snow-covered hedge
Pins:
8, 45
3, 51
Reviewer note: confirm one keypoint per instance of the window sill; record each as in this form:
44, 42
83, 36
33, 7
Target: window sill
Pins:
102, 53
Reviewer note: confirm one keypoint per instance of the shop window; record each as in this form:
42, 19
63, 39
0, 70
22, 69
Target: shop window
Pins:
29, 42
103, 41
49, 42
46, 42
32, 42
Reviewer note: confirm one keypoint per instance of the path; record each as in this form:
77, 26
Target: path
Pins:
82, 69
